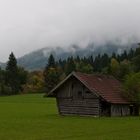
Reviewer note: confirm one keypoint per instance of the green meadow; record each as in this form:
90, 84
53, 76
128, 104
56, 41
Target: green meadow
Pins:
32, 117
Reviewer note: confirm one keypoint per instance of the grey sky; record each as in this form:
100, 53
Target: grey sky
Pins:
27, 25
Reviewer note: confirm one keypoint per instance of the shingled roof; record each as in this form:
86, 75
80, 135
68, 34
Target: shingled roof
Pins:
104, 86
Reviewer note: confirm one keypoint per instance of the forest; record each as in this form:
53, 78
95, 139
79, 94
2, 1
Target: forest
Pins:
125, 67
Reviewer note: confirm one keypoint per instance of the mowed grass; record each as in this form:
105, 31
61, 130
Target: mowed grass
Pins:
32, 117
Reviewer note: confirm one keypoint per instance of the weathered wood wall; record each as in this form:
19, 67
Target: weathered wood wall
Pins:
120, 110
75, 98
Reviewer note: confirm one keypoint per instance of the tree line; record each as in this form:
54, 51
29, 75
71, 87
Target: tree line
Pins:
124, 67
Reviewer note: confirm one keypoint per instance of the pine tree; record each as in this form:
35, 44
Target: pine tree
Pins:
51, 74
114, 55
12, 74
51, 61
130, 54
105, 60
61, 63
90, 60
97, 63
78, 59
70, 66
124, 56
12, 63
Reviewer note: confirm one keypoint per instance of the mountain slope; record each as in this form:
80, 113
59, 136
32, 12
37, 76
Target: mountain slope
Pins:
1, 64
38, 59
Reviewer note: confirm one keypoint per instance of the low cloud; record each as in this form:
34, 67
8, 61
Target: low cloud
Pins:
33, 24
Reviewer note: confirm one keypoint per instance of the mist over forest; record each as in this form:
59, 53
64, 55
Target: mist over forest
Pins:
37, 59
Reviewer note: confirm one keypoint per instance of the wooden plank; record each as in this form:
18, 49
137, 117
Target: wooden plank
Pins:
88, 103
79, 110
120, 110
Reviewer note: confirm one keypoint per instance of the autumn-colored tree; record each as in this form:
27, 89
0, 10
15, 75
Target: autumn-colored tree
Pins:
35, 82
115, 67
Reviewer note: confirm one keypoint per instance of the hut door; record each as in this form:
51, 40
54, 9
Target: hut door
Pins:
105, 108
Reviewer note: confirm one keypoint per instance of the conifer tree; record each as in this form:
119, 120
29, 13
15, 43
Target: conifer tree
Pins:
124, 56
51, 74
130, 54
51, 62
97, 63
70, 66
114, 55
12, 74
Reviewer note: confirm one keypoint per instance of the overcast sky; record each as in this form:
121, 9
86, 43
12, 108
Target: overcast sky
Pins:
27, 25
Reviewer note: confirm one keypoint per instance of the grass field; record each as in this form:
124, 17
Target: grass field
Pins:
32, 117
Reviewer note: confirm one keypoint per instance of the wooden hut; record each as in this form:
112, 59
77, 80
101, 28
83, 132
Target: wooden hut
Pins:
92, 95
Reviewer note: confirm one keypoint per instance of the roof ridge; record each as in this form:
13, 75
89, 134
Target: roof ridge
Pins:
95, 74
